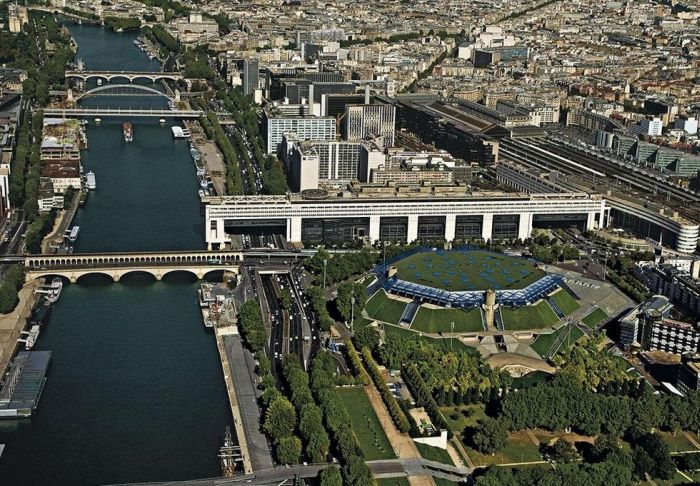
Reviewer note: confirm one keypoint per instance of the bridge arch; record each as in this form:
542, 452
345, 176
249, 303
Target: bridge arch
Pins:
108, 87
187, 271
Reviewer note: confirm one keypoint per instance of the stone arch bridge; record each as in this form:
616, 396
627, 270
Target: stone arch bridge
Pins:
116, 265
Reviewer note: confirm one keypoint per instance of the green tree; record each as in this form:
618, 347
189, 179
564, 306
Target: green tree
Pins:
367, 337
564, 451
490, 436
330, 476
357, 473
280, 418
288, 450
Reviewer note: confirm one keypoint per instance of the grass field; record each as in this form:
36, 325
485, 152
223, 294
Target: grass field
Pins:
678, 442
365, 425
463, 416
519, 448
470, 270
531, 379
438, 320
383, 308
544, 341
595, 317
393, 482
443, 482
447, 343
434, 454
565, 301
536, 316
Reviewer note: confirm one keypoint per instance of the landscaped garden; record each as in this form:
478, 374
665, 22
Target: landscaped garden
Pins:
365, 424
537, 316
438, 320
383, 308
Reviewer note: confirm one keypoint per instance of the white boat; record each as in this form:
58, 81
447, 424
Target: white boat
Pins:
90, 181
99, 82
201, 193
54, 291
98, 120
29, 337
195, 154
161, 121
178, 132
72, 234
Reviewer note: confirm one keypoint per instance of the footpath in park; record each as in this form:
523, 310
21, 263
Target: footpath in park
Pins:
401, 443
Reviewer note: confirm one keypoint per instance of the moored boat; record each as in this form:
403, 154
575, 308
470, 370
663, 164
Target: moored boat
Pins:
128, 131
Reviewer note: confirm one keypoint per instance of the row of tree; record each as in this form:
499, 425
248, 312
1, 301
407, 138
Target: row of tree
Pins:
14, 279
197, 64
317, 299
608, 464
565, 402
159, 36
452, 374
252, 327
245, 114
339, 267
395, 411
323, 384
313, 434
233, 171
423, 395
347, 292
123, 23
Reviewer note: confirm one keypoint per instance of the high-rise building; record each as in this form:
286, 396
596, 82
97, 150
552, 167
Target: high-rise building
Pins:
251, 76
304, 127
313, 163
17, 17
370, 122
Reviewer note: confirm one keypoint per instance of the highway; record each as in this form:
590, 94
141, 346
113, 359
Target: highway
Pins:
277, 326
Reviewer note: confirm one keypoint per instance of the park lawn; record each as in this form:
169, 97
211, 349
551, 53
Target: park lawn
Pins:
393, 482
362, 322
519, 448
677, 443
443, 482
463, 416
467, 270
565, 301
544, 342
677, 479
439, 320
594, 318
448, 344
537, 316
383, 308
546, 436
434, 454
365, 424
531, 379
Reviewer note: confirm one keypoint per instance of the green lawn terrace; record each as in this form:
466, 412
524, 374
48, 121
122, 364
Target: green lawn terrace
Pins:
457, 270
365, 425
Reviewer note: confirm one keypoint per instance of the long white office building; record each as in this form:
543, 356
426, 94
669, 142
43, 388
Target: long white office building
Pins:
377, 212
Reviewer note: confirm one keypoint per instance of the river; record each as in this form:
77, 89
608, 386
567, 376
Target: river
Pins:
135, 390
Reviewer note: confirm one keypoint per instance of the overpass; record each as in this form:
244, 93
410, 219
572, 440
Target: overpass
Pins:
116, 265
387, 468
120, 112
129, 75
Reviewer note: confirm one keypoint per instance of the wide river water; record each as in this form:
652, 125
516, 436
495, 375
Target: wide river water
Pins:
135, 390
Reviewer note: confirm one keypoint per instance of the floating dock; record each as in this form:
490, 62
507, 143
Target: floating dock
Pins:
21, 390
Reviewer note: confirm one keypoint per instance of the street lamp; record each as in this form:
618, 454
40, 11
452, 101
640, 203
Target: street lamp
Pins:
452, 330
325, 264
352, 313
